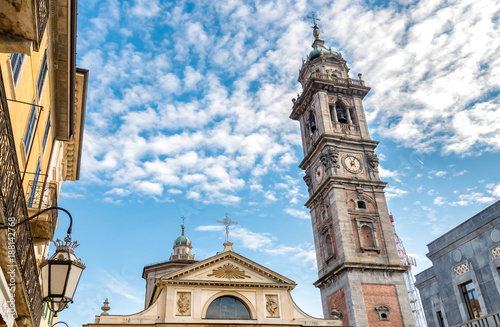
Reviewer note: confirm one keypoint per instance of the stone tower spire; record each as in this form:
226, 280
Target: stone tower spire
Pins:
360, 274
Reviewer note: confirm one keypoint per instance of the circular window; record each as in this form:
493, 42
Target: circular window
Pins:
227, 307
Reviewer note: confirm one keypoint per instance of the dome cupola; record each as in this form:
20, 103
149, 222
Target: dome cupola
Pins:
182, 248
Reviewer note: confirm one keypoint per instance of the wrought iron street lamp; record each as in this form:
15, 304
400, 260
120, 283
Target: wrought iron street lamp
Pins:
61, 273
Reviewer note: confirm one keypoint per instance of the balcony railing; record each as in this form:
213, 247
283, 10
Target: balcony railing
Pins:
338, 80
13, 204
42, 17
41, 195
347, 127
492, 320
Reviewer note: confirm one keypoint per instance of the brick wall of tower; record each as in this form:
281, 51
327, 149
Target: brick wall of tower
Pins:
376, 294
338, 298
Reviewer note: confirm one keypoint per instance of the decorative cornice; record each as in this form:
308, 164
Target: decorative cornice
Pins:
357, 266
188, 282
337, 141
338, 181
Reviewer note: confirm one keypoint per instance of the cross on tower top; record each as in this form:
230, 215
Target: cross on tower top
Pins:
313, 18
182, 226
315, 28
227, 222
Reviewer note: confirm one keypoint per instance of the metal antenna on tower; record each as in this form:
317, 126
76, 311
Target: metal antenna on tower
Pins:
415, 301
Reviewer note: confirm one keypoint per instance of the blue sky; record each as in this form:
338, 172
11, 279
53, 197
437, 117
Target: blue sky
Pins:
187, 115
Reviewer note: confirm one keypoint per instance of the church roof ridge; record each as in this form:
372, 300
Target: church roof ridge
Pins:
235, 256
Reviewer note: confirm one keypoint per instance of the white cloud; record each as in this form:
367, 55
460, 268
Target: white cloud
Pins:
477, 198
191, 78
210, 228
149, 187
145, 8
266, 243
297, 213
251, 240
439, 201
111, 200
460, 173
430, 213
441, 173
118, 191
72, 195
270, 196
496, 191
119, 284
169, 82
394, 192
386, 173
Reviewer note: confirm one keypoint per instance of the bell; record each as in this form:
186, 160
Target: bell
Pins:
313, 126
341, 116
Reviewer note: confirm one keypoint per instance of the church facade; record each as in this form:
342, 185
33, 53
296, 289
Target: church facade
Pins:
226, 289
359, 270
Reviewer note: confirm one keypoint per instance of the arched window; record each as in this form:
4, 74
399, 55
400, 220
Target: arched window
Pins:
227, 307
312, 122
341, 113
366, 233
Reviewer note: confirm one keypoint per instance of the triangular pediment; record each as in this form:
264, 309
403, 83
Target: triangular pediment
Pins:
228, 267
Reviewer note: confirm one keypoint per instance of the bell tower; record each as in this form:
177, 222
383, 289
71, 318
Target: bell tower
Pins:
359, 270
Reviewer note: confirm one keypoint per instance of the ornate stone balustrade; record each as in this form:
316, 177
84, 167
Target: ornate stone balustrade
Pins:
338, 80
492, 320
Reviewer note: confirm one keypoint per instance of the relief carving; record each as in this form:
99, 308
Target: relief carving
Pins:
461, 269
229, 271
184, 303
330, 157
372, 161
307, 179
272, 305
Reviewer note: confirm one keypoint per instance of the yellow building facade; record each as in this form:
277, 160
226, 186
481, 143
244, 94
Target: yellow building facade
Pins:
42, 110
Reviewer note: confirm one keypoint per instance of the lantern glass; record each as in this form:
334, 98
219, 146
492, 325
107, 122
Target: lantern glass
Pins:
45, 279
73, 279
58, 276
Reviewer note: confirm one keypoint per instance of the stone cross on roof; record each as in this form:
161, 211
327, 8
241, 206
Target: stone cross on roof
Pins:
227, 222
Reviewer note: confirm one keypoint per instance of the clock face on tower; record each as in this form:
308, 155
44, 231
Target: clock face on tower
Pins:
352, 163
